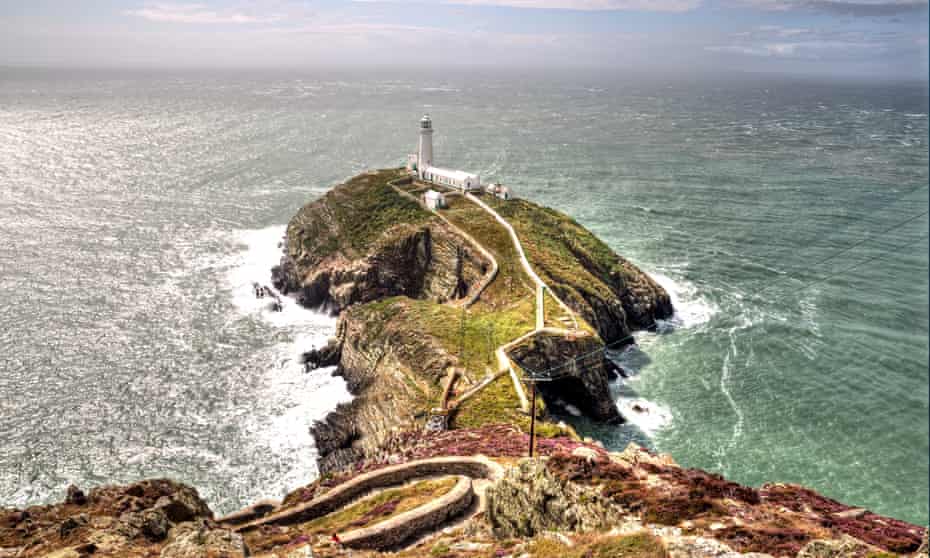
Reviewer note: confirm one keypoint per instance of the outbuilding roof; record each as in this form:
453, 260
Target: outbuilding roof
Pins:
454, 174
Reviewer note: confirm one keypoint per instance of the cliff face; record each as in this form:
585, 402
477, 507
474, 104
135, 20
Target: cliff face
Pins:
364, 242
579, 382
393, 372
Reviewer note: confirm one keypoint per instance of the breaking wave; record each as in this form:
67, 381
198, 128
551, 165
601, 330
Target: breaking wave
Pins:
691, 309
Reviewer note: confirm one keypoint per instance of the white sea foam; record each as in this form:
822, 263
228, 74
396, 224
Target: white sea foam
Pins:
648, 416
293, 399
253, 265
691, 309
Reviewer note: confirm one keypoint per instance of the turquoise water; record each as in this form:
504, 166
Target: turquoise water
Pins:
137, 209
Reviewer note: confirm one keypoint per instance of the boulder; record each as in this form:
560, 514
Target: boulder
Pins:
530, 500
700, 547
153, 524
328, 355
586, 452
75, 496
199, 540
70, 524
183, 505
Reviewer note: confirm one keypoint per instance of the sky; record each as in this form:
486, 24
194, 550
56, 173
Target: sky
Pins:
875, 38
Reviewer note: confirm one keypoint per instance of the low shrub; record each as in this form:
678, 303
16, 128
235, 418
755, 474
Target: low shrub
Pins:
777, 541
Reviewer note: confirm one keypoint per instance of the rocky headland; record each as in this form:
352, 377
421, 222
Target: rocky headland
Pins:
405, 282
437, 338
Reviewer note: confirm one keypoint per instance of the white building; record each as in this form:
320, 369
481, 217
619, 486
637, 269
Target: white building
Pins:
421, 162
498, 190
434, 199
451, 178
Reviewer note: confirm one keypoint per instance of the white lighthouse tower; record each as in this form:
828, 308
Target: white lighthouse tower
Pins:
425, 149
422, 163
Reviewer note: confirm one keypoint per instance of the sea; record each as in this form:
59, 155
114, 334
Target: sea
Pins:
786, 216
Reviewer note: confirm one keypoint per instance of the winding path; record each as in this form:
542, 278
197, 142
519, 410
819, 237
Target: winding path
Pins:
474, 473
540, 284
394, 531
505, 365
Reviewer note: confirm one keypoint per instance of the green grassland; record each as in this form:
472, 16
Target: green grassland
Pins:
566, 256
355, 216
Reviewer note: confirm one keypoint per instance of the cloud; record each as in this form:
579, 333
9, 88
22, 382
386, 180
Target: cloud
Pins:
583, 5
869, 9
776, 41
803, 50
856, 8
196, 14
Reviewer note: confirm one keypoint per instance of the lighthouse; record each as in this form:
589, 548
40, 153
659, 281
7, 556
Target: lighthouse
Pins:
425, 149
420, 164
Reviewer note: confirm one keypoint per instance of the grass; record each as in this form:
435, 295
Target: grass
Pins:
380, 507
557, 243
367, 194
569, 258
511, 283
637, 545
498, 403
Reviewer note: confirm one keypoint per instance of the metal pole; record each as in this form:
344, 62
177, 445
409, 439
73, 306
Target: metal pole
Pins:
533, 420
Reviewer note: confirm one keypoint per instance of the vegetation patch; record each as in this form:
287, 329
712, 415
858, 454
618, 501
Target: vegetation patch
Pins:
341, 229
638, 545
668, 503
884, 532
498, 402
380, 507
709, 484
769, 539
496, 440
577, 265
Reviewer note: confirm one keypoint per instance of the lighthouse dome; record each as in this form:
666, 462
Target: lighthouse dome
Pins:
425, 122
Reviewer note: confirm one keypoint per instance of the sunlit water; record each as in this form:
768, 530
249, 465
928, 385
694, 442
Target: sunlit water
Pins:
135, 212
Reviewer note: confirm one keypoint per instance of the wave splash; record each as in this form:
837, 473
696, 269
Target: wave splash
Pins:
691, 309
293, 398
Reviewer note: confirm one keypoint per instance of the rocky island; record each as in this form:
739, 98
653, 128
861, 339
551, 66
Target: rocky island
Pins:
426, 300
447, 317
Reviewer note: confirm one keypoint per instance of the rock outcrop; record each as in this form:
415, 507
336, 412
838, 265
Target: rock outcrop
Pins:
530, 500
579, 382
119, 521
392, 371
199, 540
364, 243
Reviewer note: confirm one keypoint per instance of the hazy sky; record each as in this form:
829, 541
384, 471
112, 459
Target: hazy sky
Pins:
824, 37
